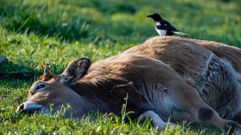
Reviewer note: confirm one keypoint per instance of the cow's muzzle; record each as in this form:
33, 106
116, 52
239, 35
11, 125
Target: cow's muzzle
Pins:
29, 107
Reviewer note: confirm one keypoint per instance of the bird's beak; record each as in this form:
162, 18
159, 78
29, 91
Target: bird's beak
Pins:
150, 16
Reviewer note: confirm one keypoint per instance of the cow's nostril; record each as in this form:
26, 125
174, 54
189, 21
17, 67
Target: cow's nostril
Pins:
20, 108
205, 114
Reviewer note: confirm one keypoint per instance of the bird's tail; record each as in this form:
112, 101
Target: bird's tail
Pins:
178, 33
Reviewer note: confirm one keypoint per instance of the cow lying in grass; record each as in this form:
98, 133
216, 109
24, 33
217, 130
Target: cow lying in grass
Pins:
165, 77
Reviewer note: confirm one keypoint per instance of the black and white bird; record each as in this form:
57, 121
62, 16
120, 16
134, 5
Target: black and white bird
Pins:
164, 28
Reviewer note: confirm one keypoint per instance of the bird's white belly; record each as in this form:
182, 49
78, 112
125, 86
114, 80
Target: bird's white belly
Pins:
161, 32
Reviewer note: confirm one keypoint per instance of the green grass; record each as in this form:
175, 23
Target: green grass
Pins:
35, 32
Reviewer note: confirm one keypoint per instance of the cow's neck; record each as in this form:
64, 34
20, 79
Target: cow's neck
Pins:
91, 93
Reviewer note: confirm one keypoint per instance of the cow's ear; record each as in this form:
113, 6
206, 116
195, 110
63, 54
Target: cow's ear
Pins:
47, 75
76, 70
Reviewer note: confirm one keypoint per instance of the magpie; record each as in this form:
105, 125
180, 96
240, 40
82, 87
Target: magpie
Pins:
164, 28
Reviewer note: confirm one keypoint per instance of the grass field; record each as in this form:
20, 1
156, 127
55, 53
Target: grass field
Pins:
35, 32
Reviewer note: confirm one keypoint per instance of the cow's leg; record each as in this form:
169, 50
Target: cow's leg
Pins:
156, 121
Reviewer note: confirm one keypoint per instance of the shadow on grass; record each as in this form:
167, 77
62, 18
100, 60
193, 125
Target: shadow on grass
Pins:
9, 71
23, 18
41, 20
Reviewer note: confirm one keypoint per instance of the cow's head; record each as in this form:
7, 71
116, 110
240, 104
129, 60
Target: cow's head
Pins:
51, 92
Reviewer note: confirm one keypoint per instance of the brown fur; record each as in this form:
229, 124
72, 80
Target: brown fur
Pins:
233, 54
194, 63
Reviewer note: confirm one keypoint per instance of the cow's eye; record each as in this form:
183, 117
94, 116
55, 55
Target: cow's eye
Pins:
40, 86
164, 90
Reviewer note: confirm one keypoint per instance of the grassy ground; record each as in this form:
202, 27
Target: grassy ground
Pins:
35, 32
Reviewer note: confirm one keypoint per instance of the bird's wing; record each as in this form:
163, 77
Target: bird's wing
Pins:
178, 33
160, 27
169, 26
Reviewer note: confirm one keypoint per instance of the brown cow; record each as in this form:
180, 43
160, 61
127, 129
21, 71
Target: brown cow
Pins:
191, 84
